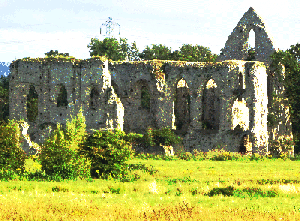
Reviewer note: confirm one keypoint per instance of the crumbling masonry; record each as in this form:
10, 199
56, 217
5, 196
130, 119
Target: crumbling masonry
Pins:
209, 104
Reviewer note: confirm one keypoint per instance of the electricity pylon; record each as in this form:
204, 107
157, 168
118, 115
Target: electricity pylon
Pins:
109, 24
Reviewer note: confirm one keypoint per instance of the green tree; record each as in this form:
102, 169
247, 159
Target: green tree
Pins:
187, 52
55, 53
196, 53
160, 52
114, 50
134, 52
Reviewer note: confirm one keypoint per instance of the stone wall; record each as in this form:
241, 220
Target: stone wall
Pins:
221, 104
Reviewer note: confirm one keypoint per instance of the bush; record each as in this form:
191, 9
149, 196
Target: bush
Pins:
220, 155
59, 155
12, 156
227, 191
58, 158
199, 155
282, 147
107, 151
163, 136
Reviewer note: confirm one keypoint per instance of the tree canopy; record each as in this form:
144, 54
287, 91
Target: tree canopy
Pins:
113, 49
55, 53
122, 50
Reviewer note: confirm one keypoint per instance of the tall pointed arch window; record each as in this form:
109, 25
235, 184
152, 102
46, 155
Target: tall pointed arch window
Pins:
211, 106
145, 97
94, 98
62, 100
32, 104
182, 106
251, 46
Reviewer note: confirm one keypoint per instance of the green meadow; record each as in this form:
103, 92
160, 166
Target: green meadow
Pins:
169, 189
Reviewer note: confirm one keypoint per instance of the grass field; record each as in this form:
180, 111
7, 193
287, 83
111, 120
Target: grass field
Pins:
170, 190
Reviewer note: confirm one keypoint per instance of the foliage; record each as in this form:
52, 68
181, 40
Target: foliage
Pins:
12, 156
220, 155
251, 55
114, 50
55, 54
187, 52
75, 131
196, 53
59, 154
290, 59
108, 152
160, 52
281, 147
163, 136
227, 191
255, 192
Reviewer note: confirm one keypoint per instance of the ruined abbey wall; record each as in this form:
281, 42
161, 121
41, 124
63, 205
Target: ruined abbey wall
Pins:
222, 104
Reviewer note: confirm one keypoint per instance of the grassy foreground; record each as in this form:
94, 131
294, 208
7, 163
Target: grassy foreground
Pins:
172, 190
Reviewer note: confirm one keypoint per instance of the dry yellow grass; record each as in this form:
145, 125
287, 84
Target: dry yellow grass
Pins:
176, 192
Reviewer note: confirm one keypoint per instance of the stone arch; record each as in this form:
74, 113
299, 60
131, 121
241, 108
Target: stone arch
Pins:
145, 97
211, 106
94, 98
245, 144
143, 94
32, 104
251, 48
62, 97
240, 114
241, 81
182, 106
251, 39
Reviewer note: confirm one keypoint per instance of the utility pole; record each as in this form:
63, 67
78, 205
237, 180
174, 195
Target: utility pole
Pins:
109, 24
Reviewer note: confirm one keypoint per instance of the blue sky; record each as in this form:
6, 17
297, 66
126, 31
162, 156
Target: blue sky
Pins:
34, 27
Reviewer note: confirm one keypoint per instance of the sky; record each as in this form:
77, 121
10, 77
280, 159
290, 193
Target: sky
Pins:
30, 28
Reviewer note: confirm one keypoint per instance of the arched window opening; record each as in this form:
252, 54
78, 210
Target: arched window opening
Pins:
32, 104
243, 144
94, 98
251, 40
241, 81
182, 106
145, 98
251, 46
62, 100
211, 106
240, 115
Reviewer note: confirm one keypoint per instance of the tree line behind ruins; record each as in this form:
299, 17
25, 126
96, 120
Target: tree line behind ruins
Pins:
121, 50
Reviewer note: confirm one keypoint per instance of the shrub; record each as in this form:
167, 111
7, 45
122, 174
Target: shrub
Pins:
185, 156
59, 155
163, 136
58, 158
12, 156
199, 155
257, 157
227, 191
255, 192
220, 155
108, 152
281, 147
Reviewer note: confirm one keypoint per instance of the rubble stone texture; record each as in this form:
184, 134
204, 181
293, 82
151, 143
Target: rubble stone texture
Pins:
222, 104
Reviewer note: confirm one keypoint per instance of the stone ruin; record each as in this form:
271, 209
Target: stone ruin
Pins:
221, 104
